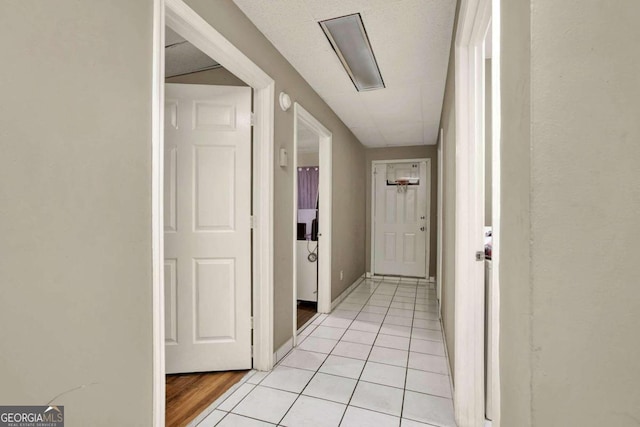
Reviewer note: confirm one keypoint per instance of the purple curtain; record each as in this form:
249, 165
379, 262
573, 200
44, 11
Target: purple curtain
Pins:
307, 187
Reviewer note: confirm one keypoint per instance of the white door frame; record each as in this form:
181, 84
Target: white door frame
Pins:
325, 196
473, 23
440, 224
496, 177
427, 250
192, 27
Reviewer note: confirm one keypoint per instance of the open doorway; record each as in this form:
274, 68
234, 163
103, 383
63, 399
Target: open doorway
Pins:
476, 377
307, 164
207, 229
206, 121
312, 219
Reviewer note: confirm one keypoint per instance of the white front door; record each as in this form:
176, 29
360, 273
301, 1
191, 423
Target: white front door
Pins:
207, 209
401, 221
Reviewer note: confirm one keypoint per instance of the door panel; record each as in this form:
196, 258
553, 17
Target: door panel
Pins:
400, 220
215, 172
207, 228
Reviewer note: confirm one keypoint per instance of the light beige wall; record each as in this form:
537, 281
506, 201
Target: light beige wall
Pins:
308, 159
217, 76
75, 208
585, 201
515, 274
395, 153
575, 125
448, 125
348, 164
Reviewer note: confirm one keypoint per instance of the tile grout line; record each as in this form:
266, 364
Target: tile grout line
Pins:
327, 356
406, 372
372, 292
280, 364
365, 303
365, 361
369, 355
331, 401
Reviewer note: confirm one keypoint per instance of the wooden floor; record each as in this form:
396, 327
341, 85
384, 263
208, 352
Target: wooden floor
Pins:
306, 310
188, 395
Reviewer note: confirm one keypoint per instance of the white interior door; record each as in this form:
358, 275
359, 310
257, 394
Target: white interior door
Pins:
401, 222
207, 209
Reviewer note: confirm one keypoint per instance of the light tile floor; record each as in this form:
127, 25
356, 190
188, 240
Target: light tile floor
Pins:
377, 360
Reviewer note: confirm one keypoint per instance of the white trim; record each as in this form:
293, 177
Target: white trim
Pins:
440, 219
157, 211
346, 292
473, 21
192, 27
428, 210
496, 125
427, 248
325, 211
283, 350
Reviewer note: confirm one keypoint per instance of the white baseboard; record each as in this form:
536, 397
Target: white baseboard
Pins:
368, 275
283, 350
446, 353
346, 292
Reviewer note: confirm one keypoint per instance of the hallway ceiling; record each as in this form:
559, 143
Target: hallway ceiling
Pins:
411, 40
181, 57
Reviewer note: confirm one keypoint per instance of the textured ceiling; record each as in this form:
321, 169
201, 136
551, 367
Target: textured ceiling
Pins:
181, 57
411, 40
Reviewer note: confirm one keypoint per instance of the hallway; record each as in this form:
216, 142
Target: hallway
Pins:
377, 360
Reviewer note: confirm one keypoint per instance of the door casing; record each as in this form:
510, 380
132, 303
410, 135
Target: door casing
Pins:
184, 20
325, 211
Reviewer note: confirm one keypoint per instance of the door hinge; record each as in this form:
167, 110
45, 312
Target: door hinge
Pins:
253, 119
252, 221
480, 256
252, 323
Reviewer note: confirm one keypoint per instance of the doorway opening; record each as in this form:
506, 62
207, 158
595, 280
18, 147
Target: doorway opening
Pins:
207, 230
400, 217
307, 166
248, 177
312, 219
476, 377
